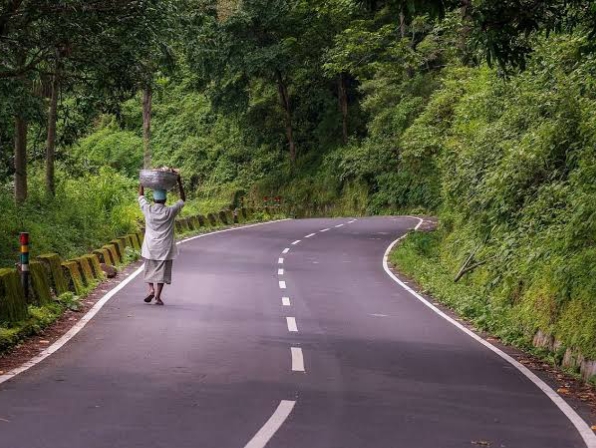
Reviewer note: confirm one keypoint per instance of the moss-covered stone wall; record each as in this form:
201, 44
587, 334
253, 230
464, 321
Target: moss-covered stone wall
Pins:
134, 241
13, 306
113, 251
93, 261
74, 276
86, 270
212, 219
104, 256
40, 292
54, 264
119, 245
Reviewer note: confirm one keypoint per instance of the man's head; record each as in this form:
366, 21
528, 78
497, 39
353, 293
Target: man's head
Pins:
159, 196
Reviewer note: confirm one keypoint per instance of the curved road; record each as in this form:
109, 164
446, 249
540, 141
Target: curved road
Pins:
251, 335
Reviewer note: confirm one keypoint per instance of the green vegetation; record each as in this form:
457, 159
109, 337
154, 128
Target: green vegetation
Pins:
419, 257
479, 112
36, 320
514, 158
86, 212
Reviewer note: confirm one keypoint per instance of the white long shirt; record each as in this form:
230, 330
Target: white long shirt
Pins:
159, 243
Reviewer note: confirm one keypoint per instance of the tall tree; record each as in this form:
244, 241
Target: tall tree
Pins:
20, 159
51, 131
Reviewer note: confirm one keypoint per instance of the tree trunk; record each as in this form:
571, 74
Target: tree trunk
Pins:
402, 24
147, 103
343, 105
51, 141
285, 104
20, 160
466, 17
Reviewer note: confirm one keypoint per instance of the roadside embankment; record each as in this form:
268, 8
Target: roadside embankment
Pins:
530, 314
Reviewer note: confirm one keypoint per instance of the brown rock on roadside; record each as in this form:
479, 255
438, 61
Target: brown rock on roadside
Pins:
110, 271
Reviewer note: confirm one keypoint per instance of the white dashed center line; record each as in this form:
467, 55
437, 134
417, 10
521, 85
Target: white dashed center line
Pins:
280, 272
282, 284
324, 230
297, 359
280, 415
292, 327
310, 235
295, 242
285, 301
286, 250
280, 261
339, 225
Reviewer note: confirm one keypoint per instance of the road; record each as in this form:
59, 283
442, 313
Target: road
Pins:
288, 333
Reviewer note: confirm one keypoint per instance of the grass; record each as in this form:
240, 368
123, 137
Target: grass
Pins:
419, 257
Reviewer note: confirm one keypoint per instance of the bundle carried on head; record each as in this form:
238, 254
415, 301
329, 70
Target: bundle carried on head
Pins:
159, 179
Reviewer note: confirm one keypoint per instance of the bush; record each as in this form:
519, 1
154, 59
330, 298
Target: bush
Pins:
85, 213
111, 146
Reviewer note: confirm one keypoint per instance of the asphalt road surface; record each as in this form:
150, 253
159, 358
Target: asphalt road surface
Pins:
286, 335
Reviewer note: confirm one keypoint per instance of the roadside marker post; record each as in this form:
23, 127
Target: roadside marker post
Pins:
24, 240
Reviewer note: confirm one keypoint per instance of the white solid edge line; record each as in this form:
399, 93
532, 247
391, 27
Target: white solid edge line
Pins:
98, 306
582, 427
310, 235
286, 301
286, 250
282, 284
292, 327
324, 230
280, 261
295, 242
297, 359
269, 429
280, 272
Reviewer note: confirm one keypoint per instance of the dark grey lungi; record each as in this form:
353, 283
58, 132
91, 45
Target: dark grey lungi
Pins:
158, 271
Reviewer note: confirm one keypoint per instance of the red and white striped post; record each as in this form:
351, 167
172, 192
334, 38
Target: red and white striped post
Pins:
24, 240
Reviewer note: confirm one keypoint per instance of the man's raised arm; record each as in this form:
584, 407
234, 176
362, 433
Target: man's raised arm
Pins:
181, 189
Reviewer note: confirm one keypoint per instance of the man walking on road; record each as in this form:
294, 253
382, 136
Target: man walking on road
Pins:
159, 246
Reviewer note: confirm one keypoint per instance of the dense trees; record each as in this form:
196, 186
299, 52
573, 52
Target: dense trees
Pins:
334, 83
83, 46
